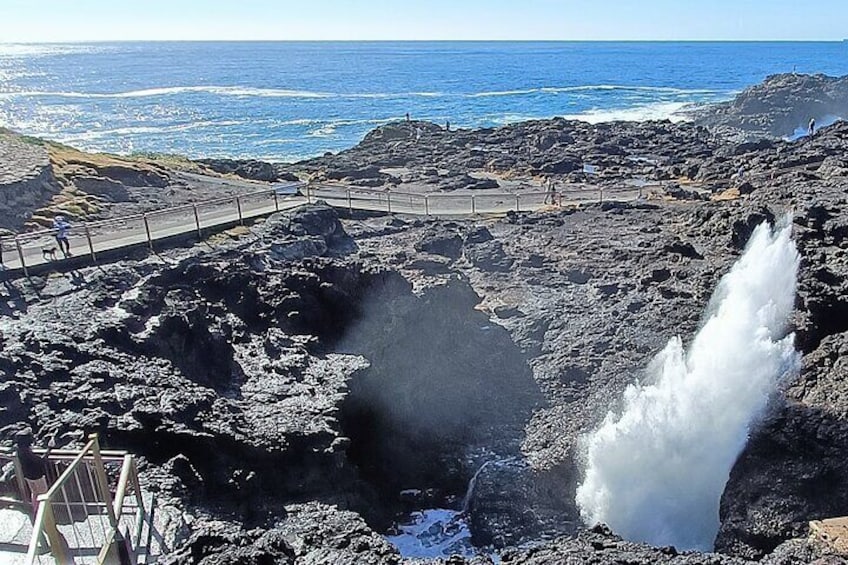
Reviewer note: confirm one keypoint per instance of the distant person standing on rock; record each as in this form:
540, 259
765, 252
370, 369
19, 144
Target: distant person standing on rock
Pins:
62, 227
550, 190
812, 128
447, 125
407, 117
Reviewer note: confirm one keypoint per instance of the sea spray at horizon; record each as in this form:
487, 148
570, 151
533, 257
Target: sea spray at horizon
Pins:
656, 472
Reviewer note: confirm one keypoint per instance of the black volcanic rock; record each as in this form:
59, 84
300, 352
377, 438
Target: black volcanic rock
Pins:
779, 105
293, 389
443, 160
250, 169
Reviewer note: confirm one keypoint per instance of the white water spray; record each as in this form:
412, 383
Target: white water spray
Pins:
656, 472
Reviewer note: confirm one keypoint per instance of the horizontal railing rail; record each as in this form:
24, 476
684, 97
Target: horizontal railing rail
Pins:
39, 247
84, 493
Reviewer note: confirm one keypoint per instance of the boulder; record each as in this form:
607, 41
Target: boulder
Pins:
447, 244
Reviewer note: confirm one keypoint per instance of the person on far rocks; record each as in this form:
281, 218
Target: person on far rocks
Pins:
447, 125
407, 117
550, 190
62, 227
812, 127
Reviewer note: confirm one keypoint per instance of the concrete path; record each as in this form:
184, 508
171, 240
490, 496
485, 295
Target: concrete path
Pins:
89, 240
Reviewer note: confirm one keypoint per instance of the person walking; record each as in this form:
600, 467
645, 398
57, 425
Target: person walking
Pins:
62, 227
812, 127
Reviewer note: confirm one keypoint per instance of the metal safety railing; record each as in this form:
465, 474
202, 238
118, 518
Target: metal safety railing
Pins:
91, 239
93, 511
465, 203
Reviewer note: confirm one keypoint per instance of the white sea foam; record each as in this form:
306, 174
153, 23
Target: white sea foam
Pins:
144, 130
673, 111
517, 92
433, 533
294, 93
656, 472
591, 88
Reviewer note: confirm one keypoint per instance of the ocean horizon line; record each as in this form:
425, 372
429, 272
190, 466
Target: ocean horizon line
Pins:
420, 41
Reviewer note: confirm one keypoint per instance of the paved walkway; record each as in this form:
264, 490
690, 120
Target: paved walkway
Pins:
89, 240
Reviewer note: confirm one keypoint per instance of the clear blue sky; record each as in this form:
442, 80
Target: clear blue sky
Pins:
81, 20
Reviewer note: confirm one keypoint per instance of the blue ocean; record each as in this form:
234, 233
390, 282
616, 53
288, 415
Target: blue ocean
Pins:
282, 101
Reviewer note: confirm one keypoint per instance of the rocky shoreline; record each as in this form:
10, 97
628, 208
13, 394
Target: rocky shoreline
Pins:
294, 390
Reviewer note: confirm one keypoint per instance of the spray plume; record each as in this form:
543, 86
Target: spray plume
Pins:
656, 472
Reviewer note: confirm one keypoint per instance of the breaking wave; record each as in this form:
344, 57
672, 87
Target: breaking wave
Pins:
594, 88
673, 111
243, 91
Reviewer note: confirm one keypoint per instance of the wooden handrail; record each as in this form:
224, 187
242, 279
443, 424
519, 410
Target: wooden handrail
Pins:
120, 492
106, 454
44, 524
59, 483
37, 528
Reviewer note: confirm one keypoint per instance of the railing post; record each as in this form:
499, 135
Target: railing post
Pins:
238, 207
197, 221
103, 481
21, 256
276, 201
19, 477
426, 204
473, 205
517, 204
90, 244
58, 546
349, 203
389, 202
123, 481
600, 194
147, 229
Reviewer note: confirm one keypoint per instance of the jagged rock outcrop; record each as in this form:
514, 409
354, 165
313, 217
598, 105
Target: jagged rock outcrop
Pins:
444, 161
296, 388
250, 169
779, 106
26, 179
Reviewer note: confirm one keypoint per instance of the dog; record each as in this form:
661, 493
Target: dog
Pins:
49, 253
